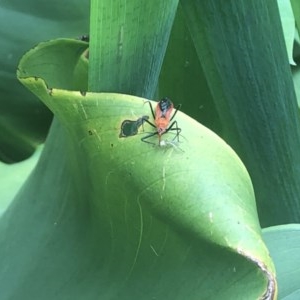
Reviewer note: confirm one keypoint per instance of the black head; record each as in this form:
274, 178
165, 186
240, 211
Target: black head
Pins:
165, 104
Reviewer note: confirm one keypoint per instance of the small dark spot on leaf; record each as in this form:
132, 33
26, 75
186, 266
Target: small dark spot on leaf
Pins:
90, 132
82, 93
36, 78
111, 145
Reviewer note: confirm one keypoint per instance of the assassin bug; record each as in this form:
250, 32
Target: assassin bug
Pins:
162, 118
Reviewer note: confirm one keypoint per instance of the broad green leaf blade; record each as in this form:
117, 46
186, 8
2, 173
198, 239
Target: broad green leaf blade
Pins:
288, 26
284, 245
56, 11
87, 246
185, 210
242, 51
128, 43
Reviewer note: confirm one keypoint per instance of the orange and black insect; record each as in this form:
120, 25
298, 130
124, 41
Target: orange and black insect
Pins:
162, 118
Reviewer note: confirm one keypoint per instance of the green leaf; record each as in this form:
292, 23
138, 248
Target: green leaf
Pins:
296, 10
126, 51
182, 78
288, 26
15, 176
62, 57
243, 55
296, 79
24, 120
284, 245
131, 220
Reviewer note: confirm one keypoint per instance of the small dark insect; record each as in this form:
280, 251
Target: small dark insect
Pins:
130, 127
85, 38
162, 118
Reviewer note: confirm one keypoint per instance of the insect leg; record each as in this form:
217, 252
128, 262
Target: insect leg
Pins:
143, 139
152, 111
146, 120
140, 121
178, 130
151, 134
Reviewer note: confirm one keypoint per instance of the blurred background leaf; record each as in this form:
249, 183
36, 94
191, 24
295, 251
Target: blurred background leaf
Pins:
251, 83
15, 176
284, 244
24, 120
288, 26
182, 78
